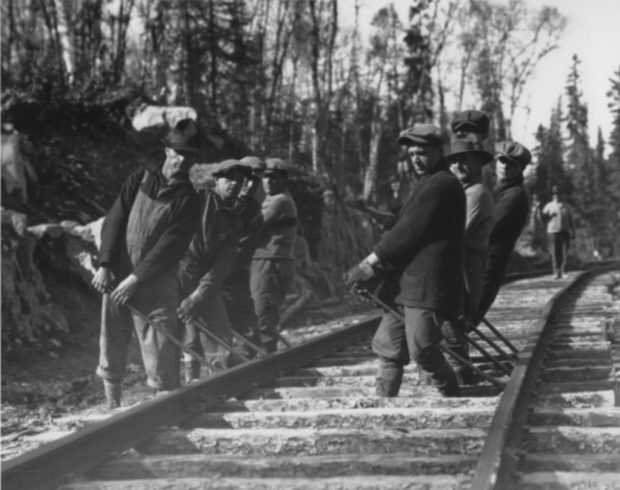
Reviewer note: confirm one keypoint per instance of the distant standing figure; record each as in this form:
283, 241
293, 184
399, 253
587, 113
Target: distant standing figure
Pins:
560, 230
272, 270
509, 218
143, 238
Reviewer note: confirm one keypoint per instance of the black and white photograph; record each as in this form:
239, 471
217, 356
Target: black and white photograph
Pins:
310, 244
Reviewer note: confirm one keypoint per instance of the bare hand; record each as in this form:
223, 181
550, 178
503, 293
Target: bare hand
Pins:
102, 281
124, 290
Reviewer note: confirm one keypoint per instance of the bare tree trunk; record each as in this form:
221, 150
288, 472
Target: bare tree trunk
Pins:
67, 49
372, 172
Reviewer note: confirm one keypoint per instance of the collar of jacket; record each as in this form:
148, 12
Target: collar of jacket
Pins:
505, 184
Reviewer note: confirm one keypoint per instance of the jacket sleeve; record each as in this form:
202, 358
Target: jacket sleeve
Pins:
173, 242
407, 236
114, 225
223, 254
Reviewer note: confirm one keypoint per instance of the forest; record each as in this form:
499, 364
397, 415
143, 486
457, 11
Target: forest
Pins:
325, 84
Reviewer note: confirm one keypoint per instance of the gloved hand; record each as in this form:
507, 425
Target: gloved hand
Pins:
359, 275
187, 310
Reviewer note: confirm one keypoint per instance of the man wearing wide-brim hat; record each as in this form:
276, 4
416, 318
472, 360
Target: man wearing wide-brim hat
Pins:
206, 265
144, 235
509, 218
466, 158
421, 259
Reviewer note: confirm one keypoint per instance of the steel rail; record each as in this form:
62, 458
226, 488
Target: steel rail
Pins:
500, 453
47, 466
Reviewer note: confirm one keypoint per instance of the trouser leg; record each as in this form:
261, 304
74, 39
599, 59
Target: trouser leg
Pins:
555, 250
455, 338
565, 240
389, 343
115, 335
161, 357
269, 283
240, 308
423, 335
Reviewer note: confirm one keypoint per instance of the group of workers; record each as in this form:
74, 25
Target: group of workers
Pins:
438, 269
194, 273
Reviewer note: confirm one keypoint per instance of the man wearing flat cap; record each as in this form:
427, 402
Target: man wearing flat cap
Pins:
470, 122
421, 259
509, 218
143, 238
206, 265
272, 269
466, 158
236, 289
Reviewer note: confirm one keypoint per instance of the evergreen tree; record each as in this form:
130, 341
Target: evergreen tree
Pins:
612, 167
550, 162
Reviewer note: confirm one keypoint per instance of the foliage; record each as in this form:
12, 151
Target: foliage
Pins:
288, 78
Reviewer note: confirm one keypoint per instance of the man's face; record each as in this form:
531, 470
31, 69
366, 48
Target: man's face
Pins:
424, 158
274, 183
227, 186
467, 167
506, 169
178, 162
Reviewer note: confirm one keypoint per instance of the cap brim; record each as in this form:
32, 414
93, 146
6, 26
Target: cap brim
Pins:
488, 157
499, 156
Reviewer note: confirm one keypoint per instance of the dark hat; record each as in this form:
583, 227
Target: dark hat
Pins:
273, 165
223, 168
422, 135
257, 164
468, 144
471, 121
184, 136
555, 190
513, 152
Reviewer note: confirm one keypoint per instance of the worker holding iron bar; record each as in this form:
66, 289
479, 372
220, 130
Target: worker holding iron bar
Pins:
143, 238
421, 259
207, 264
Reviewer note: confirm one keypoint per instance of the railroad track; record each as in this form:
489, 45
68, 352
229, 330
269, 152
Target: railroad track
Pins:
308, 418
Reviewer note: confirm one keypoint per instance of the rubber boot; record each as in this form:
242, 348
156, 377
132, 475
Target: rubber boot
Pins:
191, 369
444, 379
389, 379
112, 394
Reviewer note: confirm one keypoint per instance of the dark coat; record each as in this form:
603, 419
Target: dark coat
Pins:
424, 249
509, 218
509, 214
157, 233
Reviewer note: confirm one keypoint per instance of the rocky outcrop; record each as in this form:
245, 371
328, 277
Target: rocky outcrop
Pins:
67, 249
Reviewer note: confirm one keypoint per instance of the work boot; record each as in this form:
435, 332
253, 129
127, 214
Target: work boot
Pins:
112, 394
388, 380
191, 368
444, 379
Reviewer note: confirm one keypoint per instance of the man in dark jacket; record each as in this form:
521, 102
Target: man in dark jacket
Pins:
509, 218
206, 265
422, 255
143, 237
